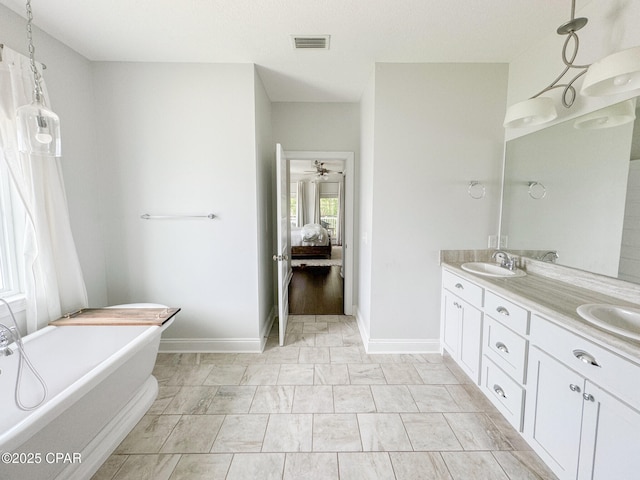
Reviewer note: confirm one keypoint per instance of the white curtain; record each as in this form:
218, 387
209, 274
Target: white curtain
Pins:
53, 277
316, 202
340, 222
301, 217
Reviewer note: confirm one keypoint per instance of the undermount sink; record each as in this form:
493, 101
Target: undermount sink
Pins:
624, 321
492, 270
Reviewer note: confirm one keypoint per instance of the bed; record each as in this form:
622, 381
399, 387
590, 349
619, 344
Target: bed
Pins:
310, 241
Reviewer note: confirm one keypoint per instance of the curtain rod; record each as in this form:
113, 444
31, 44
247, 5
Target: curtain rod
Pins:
44, 67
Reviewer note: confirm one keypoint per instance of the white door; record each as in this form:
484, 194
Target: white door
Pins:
470, 340
451, 323
284, 232
609, 444
553, 417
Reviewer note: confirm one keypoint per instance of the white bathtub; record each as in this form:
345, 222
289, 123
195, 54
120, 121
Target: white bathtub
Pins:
99, 386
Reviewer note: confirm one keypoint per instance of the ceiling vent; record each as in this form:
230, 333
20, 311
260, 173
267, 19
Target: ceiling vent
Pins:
311, 42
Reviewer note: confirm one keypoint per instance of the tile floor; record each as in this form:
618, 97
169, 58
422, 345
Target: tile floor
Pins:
319, 408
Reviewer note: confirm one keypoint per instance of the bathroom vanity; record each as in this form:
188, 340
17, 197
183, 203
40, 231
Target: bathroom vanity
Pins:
571, 389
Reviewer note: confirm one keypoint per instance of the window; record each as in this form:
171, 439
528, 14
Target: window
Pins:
329, 207
293, 204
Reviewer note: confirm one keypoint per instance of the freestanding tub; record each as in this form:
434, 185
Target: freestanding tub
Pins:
99, 386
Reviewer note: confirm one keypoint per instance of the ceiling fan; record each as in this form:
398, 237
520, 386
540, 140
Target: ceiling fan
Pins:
321, 171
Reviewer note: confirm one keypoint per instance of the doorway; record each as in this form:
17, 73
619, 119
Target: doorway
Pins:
322, 193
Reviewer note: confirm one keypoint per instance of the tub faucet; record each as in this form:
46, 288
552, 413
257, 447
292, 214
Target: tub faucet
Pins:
6, 338
507, 262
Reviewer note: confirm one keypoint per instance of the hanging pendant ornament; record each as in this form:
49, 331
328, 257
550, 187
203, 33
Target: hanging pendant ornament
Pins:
38, 126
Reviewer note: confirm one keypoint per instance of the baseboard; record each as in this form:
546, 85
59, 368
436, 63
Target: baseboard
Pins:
394, 345
211, 345
266, 330
399, 345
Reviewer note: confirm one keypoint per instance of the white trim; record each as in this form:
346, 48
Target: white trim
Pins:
349, 244
103, 444
395, 345
364, 335
405, 346
264, 334
211, 345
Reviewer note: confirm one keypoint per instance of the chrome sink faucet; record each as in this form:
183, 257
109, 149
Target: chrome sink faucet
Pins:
506, 262
550, 256
6, 338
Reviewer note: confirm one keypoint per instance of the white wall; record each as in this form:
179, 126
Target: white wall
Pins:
317, 126
435, 128
265, 161
181, 139
365, 201
69, 82
612, 26
630, 252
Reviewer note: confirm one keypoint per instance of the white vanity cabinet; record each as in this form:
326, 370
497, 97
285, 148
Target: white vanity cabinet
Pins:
504, 361
582, 417
462, 322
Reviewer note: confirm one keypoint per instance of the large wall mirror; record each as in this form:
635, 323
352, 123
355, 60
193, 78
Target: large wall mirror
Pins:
574, 189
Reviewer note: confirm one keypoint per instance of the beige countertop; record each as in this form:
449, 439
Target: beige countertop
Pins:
557, 301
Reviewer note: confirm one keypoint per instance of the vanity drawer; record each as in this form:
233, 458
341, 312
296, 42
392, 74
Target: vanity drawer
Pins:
463, 288
618, 375
510, 314
506, 348
504, 393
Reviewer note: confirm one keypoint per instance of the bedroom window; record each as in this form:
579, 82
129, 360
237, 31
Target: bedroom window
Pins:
329, 214
293, 205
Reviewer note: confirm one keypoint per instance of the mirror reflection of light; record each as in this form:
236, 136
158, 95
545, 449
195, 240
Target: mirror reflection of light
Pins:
621, 80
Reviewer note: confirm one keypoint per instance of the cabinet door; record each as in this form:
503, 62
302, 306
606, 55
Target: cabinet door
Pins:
451, 309
610, 443
553, 414
470, 340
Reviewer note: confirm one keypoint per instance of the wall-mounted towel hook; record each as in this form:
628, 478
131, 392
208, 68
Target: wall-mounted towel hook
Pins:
537, 191
476, 190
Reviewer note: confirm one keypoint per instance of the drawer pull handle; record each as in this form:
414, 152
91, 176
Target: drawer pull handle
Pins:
459, 286
574, 388
502, 311
502, 347
585, 357
499, 391
588, 397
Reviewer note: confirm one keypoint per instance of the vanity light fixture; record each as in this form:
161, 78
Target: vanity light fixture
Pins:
611, 116
538, 110
38, 127
616, 73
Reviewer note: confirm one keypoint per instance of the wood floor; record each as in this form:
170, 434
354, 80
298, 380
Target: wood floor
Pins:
316, 291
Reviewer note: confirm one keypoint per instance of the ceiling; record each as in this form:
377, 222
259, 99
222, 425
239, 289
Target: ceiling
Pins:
306, 168
259, 31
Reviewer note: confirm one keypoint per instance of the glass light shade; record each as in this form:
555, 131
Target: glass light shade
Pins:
616, 73
38, 130
535, 111
608, 117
